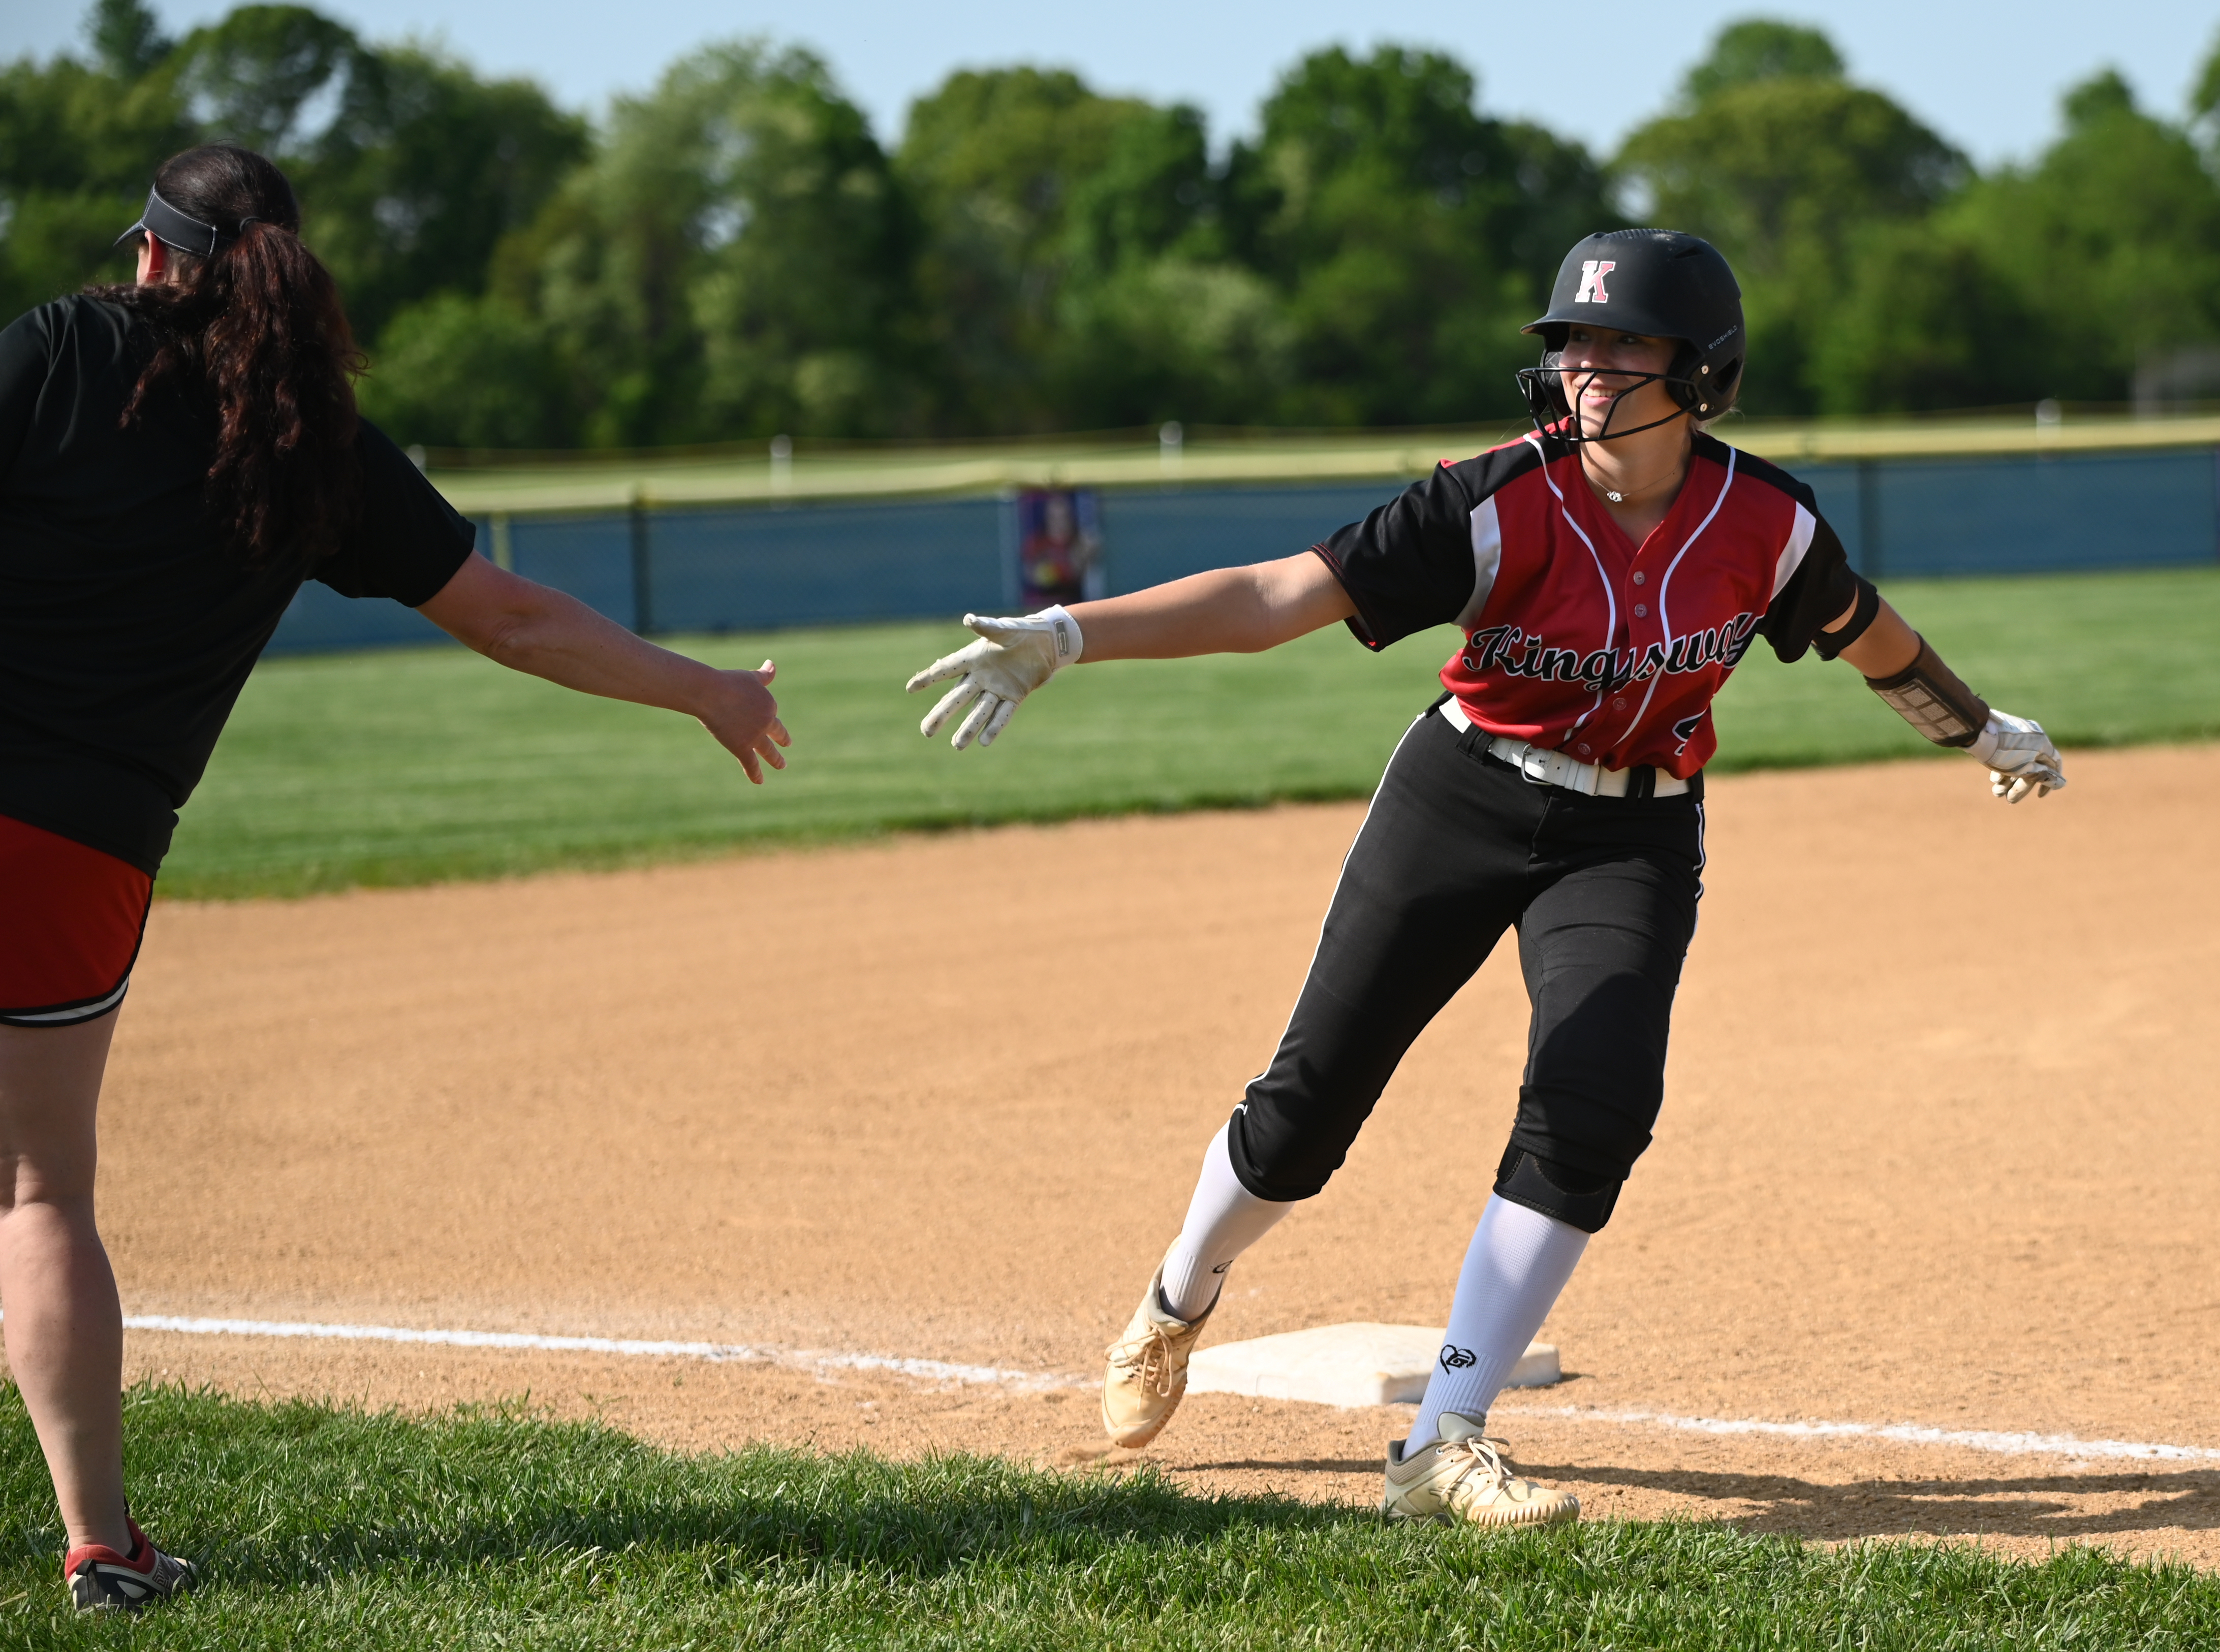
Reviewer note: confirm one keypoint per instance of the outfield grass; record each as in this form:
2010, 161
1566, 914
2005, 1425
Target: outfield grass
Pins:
412, 765
318, 1529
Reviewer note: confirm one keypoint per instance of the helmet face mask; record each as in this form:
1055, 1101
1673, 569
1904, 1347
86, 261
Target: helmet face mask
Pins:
1552, 411
1657, 282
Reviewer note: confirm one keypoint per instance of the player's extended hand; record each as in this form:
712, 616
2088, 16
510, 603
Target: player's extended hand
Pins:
1010, 660
744, 718
2019, 757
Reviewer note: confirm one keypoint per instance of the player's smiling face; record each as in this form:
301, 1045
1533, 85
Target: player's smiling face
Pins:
1598, 368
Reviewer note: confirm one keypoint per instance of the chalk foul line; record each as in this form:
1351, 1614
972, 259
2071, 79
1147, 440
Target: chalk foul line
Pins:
1972, 1439
2004, 1442
626, 1347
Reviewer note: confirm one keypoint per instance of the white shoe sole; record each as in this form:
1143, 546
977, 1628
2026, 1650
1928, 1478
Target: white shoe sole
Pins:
1562, 1514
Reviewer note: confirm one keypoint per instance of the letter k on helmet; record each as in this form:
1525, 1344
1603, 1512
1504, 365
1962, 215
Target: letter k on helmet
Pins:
1592, 271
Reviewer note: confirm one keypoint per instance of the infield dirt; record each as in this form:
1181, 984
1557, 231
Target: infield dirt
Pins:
1939, 1146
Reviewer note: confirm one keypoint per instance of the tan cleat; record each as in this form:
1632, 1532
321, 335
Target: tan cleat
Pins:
1147, 1371
1462, 1476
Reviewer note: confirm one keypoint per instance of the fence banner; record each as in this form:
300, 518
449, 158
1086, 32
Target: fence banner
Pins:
1059, 545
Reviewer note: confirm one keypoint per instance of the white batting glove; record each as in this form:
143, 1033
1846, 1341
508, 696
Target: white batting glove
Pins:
2020, 758
1010, 660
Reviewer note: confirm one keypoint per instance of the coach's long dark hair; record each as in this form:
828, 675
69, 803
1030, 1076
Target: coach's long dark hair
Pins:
259, 326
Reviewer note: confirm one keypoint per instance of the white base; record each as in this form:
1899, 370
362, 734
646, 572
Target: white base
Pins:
1344, 1365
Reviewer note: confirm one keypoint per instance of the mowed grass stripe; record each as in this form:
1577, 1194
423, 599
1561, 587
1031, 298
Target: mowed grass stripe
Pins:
317, 1528
415, 765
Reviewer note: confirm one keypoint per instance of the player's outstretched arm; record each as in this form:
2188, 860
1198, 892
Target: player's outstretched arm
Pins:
1226, 611
1905, 671
530, 628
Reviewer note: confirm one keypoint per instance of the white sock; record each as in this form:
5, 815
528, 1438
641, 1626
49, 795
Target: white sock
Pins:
1223, 1219
1518, 1262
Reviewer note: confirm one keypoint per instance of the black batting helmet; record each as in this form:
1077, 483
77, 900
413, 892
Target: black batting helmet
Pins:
1658, 282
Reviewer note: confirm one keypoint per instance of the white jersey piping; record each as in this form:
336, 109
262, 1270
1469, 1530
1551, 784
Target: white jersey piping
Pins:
1610, 596
1664, 618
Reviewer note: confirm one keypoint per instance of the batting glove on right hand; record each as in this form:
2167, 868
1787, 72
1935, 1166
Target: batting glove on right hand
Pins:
2020, 758
1010, 660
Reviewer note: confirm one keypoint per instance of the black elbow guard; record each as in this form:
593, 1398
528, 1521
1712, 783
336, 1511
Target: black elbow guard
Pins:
1828, 645
1928, 694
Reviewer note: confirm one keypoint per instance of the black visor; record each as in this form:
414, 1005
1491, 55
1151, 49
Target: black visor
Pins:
173, 228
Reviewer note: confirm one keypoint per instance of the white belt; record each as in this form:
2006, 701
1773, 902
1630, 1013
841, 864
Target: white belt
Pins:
1555, 769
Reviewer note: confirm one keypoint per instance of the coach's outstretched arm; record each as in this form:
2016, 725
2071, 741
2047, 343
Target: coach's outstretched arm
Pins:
1903, 668
530, 628
1226, 611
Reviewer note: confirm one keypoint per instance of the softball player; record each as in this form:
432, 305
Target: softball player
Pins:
1607, 572
175, 457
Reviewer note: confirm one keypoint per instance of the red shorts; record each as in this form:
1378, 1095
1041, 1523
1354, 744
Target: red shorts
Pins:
71, 918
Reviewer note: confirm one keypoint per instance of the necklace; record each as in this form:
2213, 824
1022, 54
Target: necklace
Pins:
1619, 497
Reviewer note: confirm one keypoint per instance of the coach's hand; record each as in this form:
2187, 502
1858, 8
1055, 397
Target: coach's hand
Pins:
2020, 758
1010, 660
744, 716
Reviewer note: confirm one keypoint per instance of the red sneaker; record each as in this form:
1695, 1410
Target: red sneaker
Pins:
101, 1579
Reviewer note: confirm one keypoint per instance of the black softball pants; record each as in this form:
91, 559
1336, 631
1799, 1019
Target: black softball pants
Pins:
1458, 847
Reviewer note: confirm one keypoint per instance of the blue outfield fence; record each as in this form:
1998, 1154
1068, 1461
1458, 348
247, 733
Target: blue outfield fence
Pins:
763, 568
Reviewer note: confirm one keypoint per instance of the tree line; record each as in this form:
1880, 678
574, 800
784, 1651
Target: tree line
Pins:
733, 253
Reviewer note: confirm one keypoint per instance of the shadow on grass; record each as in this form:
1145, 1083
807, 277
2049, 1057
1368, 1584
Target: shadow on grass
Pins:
295, 1492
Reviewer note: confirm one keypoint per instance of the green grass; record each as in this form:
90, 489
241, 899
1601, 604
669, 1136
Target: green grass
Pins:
411, 765
317, 1528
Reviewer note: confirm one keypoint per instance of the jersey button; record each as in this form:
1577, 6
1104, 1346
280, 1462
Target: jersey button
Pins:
1619, 704
1640, 612
1641, 579
1583, 748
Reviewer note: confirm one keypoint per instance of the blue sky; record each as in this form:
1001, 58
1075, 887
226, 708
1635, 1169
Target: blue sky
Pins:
1986, 76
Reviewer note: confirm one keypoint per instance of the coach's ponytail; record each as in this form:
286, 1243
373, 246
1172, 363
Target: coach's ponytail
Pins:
258, 325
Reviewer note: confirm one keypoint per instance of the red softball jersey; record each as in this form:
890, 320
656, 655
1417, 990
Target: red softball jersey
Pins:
1576, 639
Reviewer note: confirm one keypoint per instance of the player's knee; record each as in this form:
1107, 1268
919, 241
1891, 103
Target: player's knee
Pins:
1578, 1198
1278, 1158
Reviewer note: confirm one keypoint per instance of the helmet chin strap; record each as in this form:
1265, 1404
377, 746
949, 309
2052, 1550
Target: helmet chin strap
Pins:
1541, 384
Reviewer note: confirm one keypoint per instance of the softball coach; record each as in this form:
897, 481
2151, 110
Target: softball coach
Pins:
175, 456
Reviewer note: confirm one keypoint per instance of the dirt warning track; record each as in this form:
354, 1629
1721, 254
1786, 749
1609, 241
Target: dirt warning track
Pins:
1940, 1148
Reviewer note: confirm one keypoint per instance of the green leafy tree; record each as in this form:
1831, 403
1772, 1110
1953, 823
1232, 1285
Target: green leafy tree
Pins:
1154, 320
422, 172
1411, 235
1151, 194
2055, 280
734, 260
1006, 169
1929, 321
1171, 337
2205, 103
1787, 168
78, 144
2111, 240
127, 38
254, 78
1758, 49
409, 168
463, 371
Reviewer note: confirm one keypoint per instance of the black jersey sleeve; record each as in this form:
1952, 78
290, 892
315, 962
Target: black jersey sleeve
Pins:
1816, 595
1409, 565
411, 540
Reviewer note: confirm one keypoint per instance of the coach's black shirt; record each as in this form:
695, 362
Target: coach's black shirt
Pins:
128, 625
